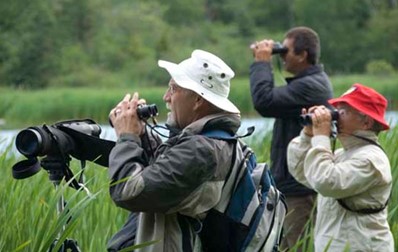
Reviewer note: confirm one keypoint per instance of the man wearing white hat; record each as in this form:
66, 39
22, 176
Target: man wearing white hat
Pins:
184, 175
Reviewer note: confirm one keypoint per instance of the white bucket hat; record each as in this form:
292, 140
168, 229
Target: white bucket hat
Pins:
205, 74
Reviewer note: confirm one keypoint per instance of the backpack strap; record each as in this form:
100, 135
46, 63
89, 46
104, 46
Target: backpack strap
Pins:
222, 134
219, 134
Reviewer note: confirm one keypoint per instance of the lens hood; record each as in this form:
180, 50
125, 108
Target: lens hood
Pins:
25, 168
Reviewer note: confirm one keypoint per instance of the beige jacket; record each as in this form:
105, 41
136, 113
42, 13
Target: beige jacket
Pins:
360, 174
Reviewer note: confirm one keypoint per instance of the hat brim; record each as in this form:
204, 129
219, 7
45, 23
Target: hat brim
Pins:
357, 106
184, 81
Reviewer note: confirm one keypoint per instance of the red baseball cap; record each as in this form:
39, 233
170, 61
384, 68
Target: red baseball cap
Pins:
365, 100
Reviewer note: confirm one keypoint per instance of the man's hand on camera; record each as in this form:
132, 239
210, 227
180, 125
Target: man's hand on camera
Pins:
124, 116
262, 51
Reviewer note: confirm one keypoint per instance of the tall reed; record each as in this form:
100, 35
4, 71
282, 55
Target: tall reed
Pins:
30, 221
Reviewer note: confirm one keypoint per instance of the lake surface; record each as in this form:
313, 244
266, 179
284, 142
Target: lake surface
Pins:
262, 125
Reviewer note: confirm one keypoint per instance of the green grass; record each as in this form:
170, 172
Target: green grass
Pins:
30, 221
25, 107
20, 108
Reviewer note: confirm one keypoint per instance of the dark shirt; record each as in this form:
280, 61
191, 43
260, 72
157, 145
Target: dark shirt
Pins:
308, 88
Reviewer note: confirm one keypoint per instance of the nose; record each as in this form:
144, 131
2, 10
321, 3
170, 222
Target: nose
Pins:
167, 95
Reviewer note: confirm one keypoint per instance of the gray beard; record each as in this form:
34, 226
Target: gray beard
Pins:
170, 121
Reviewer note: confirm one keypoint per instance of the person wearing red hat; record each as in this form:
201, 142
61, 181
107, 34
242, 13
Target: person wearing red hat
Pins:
353, 183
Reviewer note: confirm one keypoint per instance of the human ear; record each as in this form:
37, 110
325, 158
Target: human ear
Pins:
302, 56
368, 123
199, 102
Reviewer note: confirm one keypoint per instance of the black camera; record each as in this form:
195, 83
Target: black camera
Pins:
78, 138
307, 120
278, 48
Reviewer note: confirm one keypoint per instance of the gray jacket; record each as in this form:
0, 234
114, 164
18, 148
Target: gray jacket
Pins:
185, 177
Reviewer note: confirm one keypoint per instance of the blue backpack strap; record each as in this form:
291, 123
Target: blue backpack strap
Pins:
222, 134
219, 134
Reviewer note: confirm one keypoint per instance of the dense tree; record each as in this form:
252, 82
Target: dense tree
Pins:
95, 42
342, 26
275, 15
383, 37
27, 43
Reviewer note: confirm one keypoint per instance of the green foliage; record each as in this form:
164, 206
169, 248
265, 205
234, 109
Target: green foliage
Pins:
342, 31
183, 13
273, 15
26, 49
383, 36
379, 67
83, 43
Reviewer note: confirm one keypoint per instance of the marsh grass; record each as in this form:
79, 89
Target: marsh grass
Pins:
30, 221
21, 107
25, 107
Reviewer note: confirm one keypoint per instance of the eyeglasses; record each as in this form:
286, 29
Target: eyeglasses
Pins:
173, 89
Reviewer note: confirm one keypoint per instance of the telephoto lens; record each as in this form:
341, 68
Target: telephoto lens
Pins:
46, 140
306, 119
41, 141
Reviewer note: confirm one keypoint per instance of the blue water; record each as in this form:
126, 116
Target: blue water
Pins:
262, 125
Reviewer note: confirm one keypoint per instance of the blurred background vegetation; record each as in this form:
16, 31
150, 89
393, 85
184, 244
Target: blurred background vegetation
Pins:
63, 59
100, 43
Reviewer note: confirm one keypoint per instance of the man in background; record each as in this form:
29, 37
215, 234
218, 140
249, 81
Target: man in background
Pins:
309, 85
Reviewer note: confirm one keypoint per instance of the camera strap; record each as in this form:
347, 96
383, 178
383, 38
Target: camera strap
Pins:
366, 210
333, 135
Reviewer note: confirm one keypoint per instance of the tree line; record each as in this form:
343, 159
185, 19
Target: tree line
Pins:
45, 43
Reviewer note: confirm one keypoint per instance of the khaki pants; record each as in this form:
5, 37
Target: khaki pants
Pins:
300, 208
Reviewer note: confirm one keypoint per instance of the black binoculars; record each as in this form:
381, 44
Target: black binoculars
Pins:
306, 119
